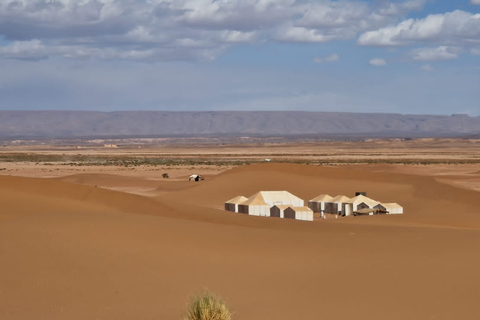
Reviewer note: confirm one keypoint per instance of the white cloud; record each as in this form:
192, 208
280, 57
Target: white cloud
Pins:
428, 68
450, 28
27, 50
435, 54
331, 58
299, 34
475, 51
477, 2
377, 62
181, 29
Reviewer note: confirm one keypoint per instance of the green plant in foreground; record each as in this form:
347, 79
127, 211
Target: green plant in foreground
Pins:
207, 306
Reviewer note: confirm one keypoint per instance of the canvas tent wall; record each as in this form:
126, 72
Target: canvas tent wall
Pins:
317, 204
232, 204
299, 213
357, 203
390, 208
365, 211
334, 206
278, 210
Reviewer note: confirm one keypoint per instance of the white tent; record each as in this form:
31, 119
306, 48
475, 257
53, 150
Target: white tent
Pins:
390, 208
260, 203
278, 210
255, 206
232, 204
317, 204
357, 203
299, 213
334, 206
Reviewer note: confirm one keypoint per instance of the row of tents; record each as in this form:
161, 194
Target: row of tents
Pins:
283, 204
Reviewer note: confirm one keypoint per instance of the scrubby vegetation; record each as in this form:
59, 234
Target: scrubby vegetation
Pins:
207, 306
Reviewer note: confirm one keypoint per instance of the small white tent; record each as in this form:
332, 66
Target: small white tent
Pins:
317, 204
299, 213
232, 204
278, 210
357, 203
255, 206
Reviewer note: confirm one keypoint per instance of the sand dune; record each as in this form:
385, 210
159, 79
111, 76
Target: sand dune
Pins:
70, 250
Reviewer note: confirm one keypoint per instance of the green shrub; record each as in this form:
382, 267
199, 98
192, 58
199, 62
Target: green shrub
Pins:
207, 306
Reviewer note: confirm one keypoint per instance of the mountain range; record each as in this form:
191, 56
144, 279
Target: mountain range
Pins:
86, 124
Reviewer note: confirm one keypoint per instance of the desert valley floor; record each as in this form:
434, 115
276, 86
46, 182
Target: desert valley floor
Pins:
121, 242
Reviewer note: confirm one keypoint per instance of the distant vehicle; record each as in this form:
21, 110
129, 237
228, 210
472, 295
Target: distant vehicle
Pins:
268, 160
195, 177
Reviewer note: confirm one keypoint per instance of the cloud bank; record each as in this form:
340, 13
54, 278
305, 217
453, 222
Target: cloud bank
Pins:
156, 30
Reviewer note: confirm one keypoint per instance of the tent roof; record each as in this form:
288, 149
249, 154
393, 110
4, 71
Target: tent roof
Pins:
362, 198
391, 205
237, 200
256, 199
273, 196
282, 206
340, 198
321, 198
301, 209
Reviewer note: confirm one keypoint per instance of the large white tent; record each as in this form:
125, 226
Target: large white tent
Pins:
334, 206
232, 204
390, 208
317, 204
260, 203
299, 213
357, 203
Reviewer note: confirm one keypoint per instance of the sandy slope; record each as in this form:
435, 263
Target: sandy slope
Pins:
72, 251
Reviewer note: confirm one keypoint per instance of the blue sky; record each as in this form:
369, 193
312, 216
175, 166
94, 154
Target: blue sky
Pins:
404, 56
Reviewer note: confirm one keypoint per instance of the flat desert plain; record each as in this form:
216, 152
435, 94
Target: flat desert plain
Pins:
90, 241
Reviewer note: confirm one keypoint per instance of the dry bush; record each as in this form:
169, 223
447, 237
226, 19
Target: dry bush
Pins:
207, 306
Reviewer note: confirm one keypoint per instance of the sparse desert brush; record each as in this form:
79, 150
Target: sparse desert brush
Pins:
207, 306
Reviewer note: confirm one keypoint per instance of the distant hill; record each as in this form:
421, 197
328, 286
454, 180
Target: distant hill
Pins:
80, 124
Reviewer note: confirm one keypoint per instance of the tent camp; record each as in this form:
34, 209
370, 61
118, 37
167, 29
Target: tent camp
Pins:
317, 204
357, 203
232, 204
278, 210
260, 203
334, 206
299, 213
389, 208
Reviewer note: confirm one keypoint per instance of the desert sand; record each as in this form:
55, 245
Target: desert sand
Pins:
131, 245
